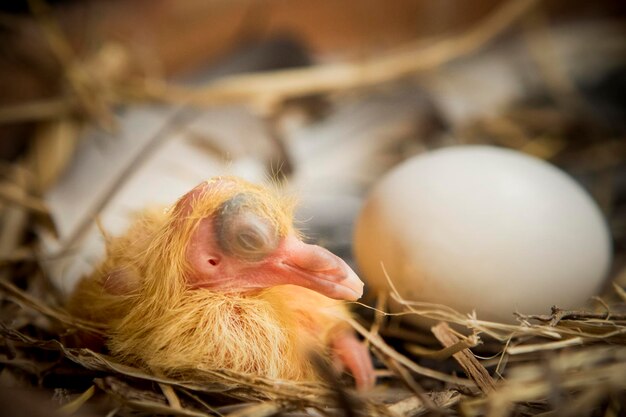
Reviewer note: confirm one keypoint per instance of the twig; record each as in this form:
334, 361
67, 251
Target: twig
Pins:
559, 314
465, 358
444, 353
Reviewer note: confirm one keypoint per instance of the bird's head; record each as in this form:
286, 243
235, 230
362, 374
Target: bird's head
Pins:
239, 237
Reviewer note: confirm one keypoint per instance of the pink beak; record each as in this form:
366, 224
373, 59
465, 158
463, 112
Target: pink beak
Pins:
317, 269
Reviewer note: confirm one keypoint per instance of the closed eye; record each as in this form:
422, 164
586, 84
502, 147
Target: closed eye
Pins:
243, 233
251, 240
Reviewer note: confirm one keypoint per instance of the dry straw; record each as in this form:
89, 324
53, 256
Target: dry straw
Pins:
583, 369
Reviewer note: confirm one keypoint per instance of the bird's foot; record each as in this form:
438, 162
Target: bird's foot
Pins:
352, 354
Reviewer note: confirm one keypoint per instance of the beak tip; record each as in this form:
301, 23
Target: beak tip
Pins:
355, 284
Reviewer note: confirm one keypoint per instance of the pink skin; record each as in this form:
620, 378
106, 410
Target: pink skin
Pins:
354, 355
292, 262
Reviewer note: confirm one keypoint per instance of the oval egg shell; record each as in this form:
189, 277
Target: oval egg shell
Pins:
486, 229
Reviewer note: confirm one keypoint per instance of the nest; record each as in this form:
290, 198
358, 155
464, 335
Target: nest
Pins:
568, 362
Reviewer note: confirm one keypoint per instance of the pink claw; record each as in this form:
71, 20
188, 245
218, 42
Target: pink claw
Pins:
354, 355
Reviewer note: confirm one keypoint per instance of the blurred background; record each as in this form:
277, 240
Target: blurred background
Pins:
107, 107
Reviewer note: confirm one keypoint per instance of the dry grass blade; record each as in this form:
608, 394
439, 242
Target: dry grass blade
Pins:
264, 409
410, 383
85, 91
171, 396
177, 118
157, 408
14, 218
348, 403
261, 89
444, 353
196, 398
19, 255
380, 344
439, 312
143, 401
221, 383
14, 194
619, 291
576, 371
52, 149
50, 109
590, 328
519, 350
24, 365
580, 367
74, 406
27, 300
413, 406
465, 358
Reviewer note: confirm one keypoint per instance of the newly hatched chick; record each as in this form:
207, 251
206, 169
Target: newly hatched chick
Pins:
222, 281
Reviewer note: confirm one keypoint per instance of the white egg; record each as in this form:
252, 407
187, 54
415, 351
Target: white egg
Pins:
486, 229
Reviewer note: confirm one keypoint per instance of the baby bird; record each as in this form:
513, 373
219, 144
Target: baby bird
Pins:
223, 281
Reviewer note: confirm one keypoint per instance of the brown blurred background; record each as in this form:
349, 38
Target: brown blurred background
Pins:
168, 37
